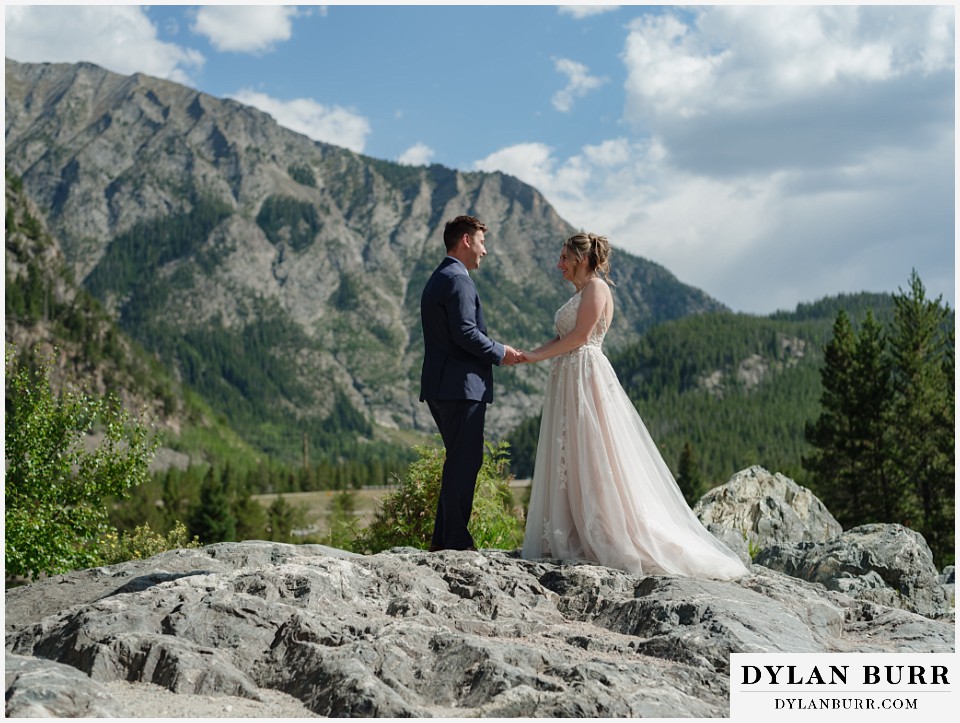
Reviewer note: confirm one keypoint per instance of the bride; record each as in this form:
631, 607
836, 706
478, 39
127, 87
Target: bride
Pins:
601, 490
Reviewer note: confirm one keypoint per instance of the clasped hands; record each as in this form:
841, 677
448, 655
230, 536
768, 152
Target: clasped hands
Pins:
516, 356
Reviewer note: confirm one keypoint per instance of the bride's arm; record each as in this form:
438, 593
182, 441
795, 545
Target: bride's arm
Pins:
592, 302
543, 347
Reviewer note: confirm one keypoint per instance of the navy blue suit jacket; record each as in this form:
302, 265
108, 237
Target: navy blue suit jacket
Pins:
458, 356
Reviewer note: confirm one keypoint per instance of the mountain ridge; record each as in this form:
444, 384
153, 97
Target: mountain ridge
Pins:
319, 248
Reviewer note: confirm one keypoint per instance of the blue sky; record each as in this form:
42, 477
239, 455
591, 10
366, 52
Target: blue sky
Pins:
768, 155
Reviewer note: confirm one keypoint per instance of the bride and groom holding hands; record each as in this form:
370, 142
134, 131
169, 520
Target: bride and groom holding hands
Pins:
601, 490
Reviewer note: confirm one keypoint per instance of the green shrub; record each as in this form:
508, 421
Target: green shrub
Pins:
142, 543
56, 489
406, 517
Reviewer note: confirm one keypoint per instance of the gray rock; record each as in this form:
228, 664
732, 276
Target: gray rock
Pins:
38, 688
948, 583
452, 634
948, 576
757, 509
884, 563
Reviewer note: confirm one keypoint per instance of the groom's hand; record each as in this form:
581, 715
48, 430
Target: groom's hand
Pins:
511, 356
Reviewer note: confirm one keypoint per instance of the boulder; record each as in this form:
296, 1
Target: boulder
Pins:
757, 509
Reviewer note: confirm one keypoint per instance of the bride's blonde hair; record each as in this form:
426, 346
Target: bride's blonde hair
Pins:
593, 249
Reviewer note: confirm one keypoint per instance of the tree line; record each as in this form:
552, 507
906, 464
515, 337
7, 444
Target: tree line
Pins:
883, 443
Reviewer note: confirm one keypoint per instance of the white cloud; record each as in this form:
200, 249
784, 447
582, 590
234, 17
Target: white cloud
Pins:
244, 28
120, 38
336, 125
579, 83
743, 88
579, 12
418, 154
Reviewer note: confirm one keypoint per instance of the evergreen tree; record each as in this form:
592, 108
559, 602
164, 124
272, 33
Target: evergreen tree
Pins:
213, 520
833, 464
175, 502
523, 442
881, 496
923, 413
251, 517
688, 475
283, 519
342, 521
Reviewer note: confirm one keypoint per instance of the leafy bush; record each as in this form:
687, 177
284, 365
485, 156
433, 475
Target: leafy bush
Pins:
55, 488
142, 543
406, 517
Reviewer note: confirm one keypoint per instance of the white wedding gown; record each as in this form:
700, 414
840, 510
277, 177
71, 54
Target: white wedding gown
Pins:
601, 490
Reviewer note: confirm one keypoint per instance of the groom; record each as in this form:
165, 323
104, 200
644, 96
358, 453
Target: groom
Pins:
457, 376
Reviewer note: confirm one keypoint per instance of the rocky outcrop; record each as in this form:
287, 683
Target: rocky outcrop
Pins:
888, 564
772, 521
409, 633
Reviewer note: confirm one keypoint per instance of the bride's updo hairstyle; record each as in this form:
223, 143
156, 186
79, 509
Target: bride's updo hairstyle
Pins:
592, 249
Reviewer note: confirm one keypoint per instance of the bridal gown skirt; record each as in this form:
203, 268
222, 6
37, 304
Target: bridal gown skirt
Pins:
601, 490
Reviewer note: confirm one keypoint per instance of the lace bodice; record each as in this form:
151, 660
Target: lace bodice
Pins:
566, 320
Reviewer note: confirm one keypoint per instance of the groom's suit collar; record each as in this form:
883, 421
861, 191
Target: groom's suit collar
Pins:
448, 260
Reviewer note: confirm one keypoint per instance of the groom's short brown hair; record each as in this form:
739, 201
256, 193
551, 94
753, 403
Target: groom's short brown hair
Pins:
455, 229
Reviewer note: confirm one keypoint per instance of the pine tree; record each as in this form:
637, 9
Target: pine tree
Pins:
834, 465
283, 519
923, 413
882, 497
213, 520
251, 517
688, 475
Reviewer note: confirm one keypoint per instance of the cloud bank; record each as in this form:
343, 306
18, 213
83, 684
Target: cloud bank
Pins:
773, 153
418, 154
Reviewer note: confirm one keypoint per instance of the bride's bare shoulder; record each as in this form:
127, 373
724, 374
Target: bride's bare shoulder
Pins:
599, 288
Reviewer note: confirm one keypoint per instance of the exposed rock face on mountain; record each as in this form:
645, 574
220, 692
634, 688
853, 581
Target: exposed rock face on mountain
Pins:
211, 231
299, 630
